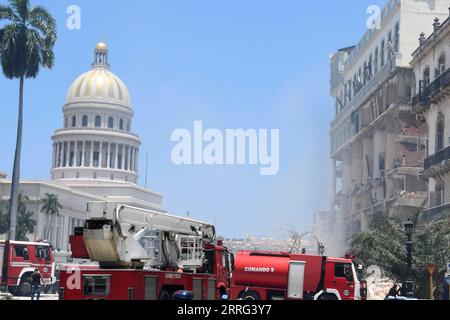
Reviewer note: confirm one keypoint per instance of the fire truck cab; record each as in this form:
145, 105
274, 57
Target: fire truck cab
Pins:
286, 276
24, 258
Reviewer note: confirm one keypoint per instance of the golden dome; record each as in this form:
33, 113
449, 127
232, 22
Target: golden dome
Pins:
101, 46
99, 85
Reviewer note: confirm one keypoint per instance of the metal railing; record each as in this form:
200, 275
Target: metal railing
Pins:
439, 83
437, 158
432, 214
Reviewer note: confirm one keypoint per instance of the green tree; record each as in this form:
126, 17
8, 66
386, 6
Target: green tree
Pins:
3, 220
51, 207
26, 43
384, 245
25, 222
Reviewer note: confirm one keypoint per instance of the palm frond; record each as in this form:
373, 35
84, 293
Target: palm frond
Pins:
21, 8
7, 13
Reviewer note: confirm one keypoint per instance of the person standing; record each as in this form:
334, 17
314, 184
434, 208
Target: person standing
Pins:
36, 281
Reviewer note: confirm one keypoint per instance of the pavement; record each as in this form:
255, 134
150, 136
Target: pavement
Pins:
44, 297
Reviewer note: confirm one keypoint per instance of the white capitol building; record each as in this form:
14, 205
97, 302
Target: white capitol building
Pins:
95, 154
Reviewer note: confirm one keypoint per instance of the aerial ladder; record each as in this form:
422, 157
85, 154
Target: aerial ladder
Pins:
123, 236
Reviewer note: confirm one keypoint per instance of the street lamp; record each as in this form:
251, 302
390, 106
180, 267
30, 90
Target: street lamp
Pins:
321, 249
409, 283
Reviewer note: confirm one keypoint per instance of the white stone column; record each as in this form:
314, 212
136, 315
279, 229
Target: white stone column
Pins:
91, 164
75, 154
132, 159
137, 160
100, 154
61, 154
116, 166
108, 157
83, 154
129, 159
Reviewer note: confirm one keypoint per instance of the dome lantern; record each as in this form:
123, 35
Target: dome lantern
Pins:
101, 56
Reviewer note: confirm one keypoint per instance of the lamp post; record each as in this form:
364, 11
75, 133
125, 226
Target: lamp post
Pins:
409, 283
321, 249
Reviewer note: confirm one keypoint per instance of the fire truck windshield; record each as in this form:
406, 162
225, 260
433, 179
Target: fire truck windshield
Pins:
209, 261
43, 253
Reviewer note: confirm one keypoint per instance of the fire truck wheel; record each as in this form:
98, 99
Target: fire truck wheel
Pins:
250, 295
24, 288
165, 295
328, 297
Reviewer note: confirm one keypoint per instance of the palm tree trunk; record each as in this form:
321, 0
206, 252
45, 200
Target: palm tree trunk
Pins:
50, 229
14, 200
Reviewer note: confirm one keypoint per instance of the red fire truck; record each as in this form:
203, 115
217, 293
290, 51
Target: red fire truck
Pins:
24, 258
280, 276
146, 255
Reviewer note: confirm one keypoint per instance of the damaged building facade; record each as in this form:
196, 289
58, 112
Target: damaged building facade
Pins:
431, 100
378, 142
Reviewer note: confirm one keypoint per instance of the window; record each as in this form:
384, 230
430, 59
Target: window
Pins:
440, 129
383, 49
85, 121
390, 44
110, 123
98, 121
121, 124
397, 37
74, 121
376, 61
426, 77
96, 285
441, 66
21, 252
343, 270
43, 253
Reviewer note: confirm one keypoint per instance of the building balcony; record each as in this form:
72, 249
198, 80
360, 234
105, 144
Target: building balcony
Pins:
435, 91
438, 164
438, 212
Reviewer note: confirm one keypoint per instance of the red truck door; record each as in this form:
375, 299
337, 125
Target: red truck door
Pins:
342, 280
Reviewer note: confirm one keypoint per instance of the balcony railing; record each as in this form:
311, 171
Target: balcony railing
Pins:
439, 83
435, 213
437, 158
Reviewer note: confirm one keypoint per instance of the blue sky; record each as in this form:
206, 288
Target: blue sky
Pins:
232, 64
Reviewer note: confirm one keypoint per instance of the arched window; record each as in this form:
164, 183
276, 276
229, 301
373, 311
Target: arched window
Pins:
440, 131
121, 124
441, 65
426, 77
74, 121
110, 123
98, 121
85, 121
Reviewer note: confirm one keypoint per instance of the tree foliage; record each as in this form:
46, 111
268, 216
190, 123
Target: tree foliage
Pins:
384, 245
51, 207
25, 222
26, 40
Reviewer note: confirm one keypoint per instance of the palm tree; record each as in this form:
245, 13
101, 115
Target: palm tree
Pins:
51, 207
26, 43
384, 245
25, 221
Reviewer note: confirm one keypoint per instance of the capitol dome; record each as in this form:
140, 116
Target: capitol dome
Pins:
96, 141
99, 84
